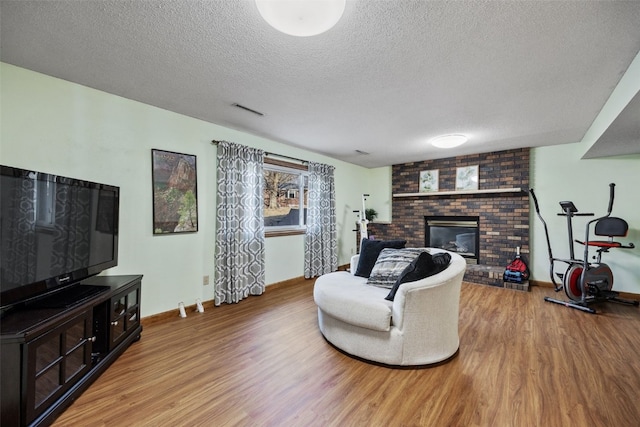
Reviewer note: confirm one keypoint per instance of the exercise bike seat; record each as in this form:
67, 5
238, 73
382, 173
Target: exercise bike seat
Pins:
612, 227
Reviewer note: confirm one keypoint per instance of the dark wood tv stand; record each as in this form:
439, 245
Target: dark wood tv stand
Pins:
51, 353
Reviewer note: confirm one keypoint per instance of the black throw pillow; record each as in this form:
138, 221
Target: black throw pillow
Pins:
424, 265
369, 251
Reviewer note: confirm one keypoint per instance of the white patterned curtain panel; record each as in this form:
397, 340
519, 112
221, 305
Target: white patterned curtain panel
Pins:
240, 224
321, 250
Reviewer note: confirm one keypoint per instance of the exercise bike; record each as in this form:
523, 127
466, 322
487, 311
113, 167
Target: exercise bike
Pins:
361, 223
586, 283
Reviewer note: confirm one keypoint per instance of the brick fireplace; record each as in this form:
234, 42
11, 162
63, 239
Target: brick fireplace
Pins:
501, 206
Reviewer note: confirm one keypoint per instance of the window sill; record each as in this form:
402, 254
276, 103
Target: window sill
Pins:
280, 233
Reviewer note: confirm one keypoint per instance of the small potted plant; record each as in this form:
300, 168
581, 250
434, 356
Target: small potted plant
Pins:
370, 214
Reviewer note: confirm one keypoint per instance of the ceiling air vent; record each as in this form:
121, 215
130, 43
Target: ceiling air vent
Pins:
248, 109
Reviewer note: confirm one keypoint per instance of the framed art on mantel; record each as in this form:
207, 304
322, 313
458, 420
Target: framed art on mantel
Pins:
429, 181
467, 178
175, 194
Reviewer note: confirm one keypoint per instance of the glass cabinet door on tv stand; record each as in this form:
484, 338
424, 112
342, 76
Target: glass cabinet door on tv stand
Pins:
124, 315
55, 361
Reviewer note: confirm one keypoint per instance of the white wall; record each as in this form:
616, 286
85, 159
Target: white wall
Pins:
54, 126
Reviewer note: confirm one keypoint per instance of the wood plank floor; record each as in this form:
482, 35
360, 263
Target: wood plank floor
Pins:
263, 362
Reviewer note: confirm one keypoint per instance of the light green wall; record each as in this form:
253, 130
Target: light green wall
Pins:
558, 173
378, 186
51, 125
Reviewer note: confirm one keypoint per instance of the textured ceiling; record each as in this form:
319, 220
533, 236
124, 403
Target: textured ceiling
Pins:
388, 77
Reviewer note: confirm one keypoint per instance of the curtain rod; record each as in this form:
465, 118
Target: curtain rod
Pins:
214, 142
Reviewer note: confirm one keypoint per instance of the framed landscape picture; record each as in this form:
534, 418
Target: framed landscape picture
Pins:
467, 178
175, 195
428, 181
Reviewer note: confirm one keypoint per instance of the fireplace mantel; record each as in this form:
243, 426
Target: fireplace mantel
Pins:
460, 192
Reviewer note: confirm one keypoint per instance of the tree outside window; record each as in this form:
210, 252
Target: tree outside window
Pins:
285, 198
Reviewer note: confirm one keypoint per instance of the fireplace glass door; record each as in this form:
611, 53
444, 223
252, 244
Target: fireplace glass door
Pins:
455, 234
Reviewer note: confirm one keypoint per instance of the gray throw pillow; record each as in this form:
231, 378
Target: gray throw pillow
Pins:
390, 265
369, 251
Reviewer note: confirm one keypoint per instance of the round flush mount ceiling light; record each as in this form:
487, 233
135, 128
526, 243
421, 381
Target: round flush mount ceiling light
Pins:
302, 18
449, 141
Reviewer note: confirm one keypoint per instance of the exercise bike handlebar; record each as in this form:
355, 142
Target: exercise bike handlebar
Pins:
535, 201
612, 190
576, 214
557, 286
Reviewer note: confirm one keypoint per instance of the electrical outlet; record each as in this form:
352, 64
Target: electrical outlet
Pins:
205, 280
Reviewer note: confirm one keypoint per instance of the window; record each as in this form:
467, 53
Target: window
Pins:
285, 197
44, 199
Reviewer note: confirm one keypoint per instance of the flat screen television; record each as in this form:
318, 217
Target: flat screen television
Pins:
54, 231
